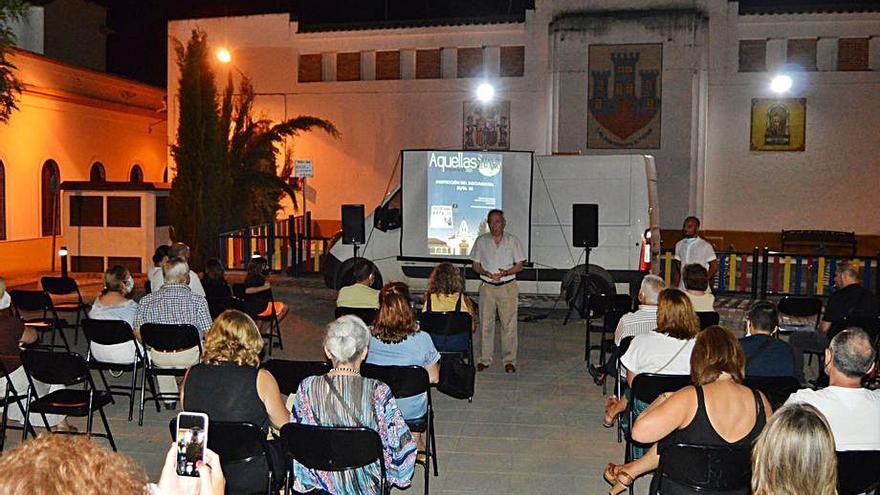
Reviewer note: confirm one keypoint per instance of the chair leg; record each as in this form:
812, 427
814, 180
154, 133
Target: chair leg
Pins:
63, 339
141, 404
76, 328
433, 443
107, 428
132, 390
106, 385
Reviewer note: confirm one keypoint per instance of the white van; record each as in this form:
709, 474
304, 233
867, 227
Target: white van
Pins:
623, 186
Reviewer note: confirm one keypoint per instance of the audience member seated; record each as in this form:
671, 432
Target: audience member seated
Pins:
766, 355
643, 320
155, 271
665, 350
795, 454
176, 250
717, 410
696, 286
852, 411
333, 400
174, 304
850, 300
257, 290
445, 294
69, 465
113, 304
397, 341
13, 335
360, 294
228, 384
214, 280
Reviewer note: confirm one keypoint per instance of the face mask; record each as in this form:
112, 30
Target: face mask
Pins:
129, 285
5, 300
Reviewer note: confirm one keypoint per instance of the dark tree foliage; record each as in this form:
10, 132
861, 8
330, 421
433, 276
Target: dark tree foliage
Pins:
227, 160
11, 11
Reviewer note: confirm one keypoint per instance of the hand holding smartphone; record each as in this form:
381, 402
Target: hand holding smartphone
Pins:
191, 440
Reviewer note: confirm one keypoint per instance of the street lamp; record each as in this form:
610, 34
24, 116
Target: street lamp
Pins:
63, 254
781, 83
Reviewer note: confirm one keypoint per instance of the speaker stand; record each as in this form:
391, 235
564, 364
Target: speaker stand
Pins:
356, 248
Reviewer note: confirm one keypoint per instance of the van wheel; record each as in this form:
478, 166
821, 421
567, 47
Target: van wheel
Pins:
598, 281
344, 275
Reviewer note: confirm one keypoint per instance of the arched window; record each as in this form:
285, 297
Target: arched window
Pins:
136, 175
50, 194
97, 173
2, 202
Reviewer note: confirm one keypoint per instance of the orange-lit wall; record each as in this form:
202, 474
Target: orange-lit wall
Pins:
76, 117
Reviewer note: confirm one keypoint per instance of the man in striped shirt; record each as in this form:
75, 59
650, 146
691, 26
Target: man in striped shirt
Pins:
645, 319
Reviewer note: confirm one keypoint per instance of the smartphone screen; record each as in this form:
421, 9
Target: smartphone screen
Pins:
192, 437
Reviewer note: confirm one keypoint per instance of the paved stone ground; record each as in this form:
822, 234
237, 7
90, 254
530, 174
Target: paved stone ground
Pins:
537, 431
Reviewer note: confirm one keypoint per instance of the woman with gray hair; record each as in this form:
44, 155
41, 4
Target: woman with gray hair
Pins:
343, 397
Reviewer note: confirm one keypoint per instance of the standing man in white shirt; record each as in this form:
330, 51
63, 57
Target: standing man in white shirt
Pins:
177, 250
498, 257
693, 250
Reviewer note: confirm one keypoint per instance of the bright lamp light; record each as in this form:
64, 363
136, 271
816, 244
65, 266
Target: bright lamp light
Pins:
781, 83
485, 92
224, 56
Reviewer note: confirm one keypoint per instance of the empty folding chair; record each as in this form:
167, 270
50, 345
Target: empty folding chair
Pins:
66, 286
38, 301
68, 369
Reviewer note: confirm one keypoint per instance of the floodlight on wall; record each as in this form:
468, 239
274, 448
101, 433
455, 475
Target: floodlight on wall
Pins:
224, 56
485, 92
63, 254
781, 83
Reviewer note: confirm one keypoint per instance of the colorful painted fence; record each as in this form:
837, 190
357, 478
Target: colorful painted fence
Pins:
283, 243
764, 272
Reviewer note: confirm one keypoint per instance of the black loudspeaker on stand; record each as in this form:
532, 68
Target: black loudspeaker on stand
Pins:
585, 234
353, 226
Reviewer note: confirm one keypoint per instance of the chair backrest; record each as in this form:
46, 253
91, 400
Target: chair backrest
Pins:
252, 304
59, 286
648, 386
708, 318
51, 368
857, 471
30, 300
777, 389
446, 323
870, 324
333, 448
404, 381
365, 314
624, 345
148, 286
219, 304
799, 306
706, 468
107, 332
622, 302
163, 337
612, 318
289, 374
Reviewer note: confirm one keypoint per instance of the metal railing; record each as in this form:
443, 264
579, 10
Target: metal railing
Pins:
764, 272
287, 244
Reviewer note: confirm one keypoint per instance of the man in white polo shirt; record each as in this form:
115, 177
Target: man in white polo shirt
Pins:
693, 249
852, 412
498, 257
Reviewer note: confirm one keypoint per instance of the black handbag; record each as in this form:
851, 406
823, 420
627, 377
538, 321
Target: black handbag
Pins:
456, 376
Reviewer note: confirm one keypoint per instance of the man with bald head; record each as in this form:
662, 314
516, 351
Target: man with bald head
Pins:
852, 411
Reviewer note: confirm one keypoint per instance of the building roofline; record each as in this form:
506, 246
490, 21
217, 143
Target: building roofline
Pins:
762, 7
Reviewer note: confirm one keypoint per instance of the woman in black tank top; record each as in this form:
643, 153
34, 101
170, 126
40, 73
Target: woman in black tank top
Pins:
228, 385
717, 371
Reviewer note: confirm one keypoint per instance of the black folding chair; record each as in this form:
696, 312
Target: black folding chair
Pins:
333, 448
164, 338
114, 332
777, 389
609, 325
219, 304
646, 387
602, 305
255, 305
245, 455
289, 374
10, 397
65, 286
704, 468
444, 325
708, 318
365, 314
799, 307
857, 471
38, 301
68, 369
620, 380
409, 381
